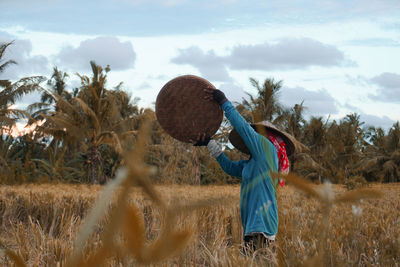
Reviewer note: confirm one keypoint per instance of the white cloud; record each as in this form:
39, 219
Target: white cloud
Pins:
369, 119
209, 64
285, 54
143, 86
374, 6
233, 92
5, 37
157, 77
316, 102
354, 7
103, 50
389, 87
387, 80
27, 64
28, 99
155, 52
372, 120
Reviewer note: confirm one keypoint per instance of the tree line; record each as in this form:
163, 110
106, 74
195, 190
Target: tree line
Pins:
80, 135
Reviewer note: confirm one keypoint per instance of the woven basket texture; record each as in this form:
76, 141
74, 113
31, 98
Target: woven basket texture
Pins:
182, 110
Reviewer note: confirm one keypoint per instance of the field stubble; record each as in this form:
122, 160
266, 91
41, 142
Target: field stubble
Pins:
40, 223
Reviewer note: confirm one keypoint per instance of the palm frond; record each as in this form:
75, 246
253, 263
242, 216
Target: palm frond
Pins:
66, 125
112, 138
3, 47
6, 64
17, 113
88, 111
37, 106
26, 85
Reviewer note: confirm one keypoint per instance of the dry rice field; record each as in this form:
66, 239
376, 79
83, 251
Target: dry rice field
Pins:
40, 224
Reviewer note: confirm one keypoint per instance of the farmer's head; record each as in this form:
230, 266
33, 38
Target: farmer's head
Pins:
280, 139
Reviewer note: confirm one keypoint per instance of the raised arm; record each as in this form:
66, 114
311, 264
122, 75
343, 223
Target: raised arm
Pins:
232, 168
250, 137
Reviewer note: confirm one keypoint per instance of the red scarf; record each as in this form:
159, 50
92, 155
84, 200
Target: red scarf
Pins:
281, 150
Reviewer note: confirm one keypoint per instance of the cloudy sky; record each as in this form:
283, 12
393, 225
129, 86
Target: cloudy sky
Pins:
338, 56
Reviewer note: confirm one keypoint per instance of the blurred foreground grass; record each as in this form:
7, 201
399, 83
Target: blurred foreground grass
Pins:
40, 222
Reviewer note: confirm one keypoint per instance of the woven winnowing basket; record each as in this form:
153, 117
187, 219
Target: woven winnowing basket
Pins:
182, 110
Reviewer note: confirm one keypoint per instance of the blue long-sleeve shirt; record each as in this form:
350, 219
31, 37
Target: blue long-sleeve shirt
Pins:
258, 206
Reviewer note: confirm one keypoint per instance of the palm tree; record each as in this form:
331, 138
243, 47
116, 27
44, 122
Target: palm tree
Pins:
347, 139
315, 164
95, 116
382, 154
394, 137
265, 105
55, 169
10, 92
4, 65
57, 84
6, 143
292, 121
13, 91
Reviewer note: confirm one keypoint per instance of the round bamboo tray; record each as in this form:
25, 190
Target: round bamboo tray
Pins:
182, 110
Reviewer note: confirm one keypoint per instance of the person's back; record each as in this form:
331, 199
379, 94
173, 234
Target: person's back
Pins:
258, 205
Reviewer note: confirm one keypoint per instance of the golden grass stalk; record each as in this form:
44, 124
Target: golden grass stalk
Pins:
96, 213
327, 199
168, 244
18, 261
125, 177
372, 240
126, 218
299, 182
356, 195
124, 234
134, 230
98, 258
190, 206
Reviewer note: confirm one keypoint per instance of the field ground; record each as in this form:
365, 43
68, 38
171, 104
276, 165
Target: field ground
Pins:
40, 222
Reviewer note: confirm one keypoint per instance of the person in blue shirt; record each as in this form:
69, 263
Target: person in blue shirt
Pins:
258, 205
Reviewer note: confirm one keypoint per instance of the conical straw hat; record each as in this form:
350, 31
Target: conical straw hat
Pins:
266, 127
